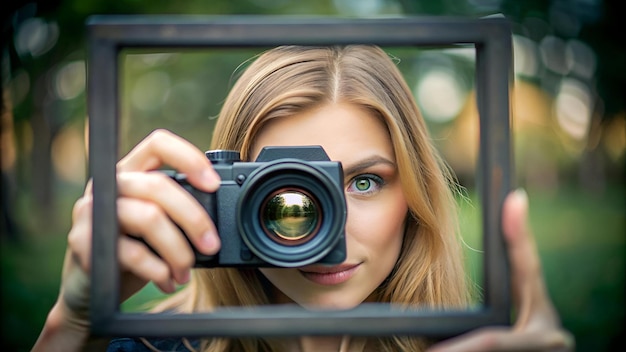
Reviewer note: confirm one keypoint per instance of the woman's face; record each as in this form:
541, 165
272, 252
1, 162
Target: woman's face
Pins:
376, 204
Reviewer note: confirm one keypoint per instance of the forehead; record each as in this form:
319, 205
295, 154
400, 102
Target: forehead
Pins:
347, 132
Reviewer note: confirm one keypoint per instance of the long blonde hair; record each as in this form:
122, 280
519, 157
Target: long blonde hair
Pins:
291, 79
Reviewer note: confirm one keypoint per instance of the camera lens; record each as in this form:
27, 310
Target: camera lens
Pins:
290, 216
291, 213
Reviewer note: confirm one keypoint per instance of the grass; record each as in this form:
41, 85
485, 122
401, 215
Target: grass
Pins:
581, 239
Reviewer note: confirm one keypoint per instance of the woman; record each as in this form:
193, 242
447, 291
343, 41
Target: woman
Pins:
401, 231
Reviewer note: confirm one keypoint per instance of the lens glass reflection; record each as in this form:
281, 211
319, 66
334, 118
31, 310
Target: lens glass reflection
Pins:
290, 215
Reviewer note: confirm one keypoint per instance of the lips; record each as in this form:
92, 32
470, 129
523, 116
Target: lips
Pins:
332, 275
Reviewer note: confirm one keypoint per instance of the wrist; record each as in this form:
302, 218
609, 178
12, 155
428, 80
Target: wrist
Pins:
62, 332
61, 318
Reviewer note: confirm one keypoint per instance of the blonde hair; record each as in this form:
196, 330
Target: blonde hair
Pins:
291, 79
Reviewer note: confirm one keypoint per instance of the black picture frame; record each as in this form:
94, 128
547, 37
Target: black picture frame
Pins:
108, 35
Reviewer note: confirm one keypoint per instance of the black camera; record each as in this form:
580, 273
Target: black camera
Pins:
285, 209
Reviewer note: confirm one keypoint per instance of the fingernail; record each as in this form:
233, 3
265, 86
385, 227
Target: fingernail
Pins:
184, 277
521, 192
209, 242
170, 287
210, 179
521, 195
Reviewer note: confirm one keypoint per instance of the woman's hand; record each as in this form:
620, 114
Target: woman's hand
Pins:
150, 205
538, 327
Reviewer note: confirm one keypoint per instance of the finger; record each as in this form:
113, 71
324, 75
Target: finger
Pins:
165, 148
528, 286
79, 237
135, 257
80, 242
88, 188
178, 204
150, 222
496, 339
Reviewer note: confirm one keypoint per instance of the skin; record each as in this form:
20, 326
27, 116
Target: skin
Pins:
148, 201
376, 211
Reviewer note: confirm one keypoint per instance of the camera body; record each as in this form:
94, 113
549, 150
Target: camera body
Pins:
285, 209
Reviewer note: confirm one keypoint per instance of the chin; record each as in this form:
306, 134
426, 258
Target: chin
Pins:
329, 302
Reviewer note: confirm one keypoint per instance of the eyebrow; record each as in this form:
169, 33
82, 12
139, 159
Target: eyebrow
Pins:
367, 163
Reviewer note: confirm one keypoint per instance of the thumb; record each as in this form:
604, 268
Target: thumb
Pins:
529, 292
520, 242
515, 217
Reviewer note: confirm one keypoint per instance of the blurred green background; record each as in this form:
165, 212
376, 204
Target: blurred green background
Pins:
569, 135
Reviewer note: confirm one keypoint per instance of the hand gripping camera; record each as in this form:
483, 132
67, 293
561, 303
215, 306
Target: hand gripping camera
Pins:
285, 209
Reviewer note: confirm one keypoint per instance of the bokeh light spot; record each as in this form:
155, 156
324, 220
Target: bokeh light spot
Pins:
68, 154
439, 95
35, 37
573, 108
70, 80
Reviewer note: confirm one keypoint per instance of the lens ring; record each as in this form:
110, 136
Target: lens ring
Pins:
291, 173
289, 224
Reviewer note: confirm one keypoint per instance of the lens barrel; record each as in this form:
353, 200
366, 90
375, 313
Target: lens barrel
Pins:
290, 213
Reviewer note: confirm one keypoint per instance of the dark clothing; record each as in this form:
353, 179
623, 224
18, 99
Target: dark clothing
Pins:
131, 344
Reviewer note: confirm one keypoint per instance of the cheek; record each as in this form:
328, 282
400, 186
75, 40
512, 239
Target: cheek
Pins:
377, 224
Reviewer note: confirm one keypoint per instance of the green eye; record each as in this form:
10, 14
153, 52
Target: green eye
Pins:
363, 184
